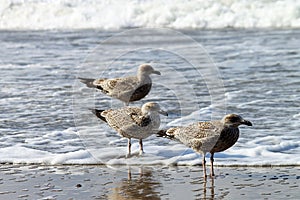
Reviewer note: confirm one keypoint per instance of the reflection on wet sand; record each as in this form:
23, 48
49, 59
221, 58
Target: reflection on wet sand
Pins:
152, 183
205, 188
138, 185
210, 195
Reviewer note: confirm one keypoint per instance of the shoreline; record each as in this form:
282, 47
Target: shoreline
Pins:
156, 182
154, 165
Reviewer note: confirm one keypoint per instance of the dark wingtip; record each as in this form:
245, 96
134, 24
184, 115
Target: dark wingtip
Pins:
161, 133
89, 82
98, 112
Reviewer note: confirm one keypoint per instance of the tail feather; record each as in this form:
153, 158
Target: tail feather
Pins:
163, 133
89, 82
98, 112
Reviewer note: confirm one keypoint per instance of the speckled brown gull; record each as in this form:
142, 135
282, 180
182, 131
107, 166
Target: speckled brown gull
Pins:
126, 89
133, 122
212, 136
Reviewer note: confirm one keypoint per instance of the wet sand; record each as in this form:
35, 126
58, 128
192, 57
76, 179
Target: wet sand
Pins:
146, 182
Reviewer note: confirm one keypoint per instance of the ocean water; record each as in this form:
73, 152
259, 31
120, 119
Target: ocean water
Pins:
178, 14
213, 61
44, 108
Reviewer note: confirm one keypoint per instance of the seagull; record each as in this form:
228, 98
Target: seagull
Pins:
126, 89
210, 136
133, 122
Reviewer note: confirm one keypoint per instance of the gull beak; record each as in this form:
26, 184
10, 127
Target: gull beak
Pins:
248, 123
163, 112
156, 72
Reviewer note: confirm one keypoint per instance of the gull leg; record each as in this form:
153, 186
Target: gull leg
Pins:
204, 166
129, 148
141, 147
212, 173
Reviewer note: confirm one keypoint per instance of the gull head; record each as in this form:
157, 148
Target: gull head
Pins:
147, 69
152, 107
234, 120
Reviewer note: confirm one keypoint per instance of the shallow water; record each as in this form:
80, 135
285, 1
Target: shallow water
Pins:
45, 119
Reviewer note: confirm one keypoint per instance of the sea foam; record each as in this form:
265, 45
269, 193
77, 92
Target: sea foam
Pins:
179, 14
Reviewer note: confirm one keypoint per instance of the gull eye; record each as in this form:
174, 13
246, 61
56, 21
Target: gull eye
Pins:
234, 119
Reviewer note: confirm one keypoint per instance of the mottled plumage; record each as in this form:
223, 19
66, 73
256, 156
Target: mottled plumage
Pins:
133, 122
212, 136
126, 89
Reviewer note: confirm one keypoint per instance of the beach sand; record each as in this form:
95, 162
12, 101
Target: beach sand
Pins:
146, 182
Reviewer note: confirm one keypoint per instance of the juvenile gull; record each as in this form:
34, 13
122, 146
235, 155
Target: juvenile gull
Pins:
133, 122
211, 136
126, 89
